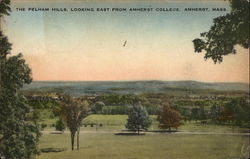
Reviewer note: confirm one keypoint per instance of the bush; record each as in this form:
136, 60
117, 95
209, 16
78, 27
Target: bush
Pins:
60, 125
43, 125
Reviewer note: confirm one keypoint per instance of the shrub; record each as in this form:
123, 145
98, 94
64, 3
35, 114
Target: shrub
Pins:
43, 125
60, 125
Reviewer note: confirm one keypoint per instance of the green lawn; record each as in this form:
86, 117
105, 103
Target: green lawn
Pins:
109, 122
117, 122
157, 146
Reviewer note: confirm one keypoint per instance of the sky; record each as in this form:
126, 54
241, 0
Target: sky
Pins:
89, 45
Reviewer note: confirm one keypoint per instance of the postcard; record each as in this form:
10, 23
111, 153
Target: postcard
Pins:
124, 79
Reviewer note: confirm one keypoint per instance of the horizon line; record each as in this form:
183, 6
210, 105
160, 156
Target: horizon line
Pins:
135, 81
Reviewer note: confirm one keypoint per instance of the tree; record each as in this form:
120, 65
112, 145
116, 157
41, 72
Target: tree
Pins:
60, 125
202, 113
216, 111
195, 113
4, 10
238, 108
227, 32
185, 111
226, 115
72, 111
169, 118
138, 118
19, 131
97, 107
4, 7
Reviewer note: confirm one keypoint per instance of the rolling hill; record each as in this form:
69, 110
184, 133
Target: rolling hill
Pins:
126, 87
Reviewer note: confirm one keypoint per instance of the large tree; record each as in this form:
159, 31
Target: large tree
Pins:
138, 118
19, 132
73, 111
168, 117
227, 31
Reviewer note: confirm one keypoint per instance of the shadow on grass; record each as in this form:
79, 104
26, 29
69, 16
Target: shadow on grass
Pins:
129, 134
245, 131
50, 149
162, 131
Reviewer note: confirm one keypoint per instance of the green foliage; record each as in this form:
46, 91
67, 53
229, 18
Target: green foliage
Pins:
239, 110
19, 131
195, 113
118, 104
43, 125
115, 110
227, 32
116, 99
184, 111
199, 113
59, 125
72, 111
138, 118
203, 114
42, 104
215, 112
97, 107
4, 7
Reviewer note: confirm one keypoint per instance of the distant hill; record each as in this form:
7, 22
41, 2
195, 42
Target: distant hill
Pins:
125, 87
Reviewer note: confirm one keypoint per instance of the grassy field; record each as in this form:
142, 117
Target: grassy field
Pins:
157, 146
94, 144
117, 122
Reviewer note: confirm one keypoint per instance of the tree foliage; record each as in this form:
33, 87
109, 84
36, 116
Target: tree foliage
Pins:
227, 31
138, 118
59, 125
19, 131
216, 111
236, 111
169, 118
117, 99
203, 115
97, 107
4, 7
72, 111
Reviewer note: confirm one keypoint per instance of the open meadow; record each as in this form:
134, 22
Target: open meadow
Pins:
149, 146
109, 141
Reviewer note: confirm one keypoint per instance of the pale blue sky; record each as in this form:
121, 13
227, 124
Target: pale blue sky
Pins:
89, 45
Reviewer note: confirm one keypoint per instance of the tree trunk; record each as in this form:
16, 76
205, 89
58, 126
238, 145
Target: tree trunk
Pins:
138, 131
72, 140
78, 137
